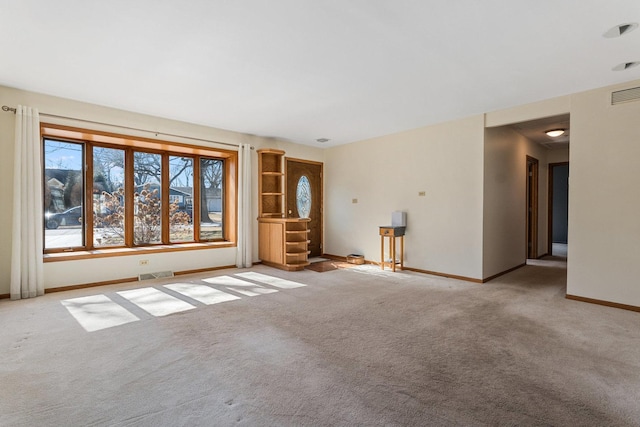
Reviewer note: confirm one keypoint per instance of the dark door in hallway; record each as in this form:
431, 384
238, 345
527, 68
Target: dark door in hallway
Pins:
532, 207
558, 204
304, 198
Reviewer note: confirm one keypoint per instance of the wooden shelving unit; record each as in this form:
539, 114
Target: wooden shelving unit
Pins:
282, 242
296, 243
271, 183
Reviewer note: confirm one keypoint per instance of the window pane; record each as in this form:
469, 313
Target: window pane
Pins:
211, 174
108, 197
303, 197
147, 208
180, 199
63, 194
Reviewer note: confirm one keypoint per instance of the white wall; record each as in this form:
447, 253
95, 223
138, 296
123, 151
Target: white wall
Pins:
558, 155
604, 198
505, 201
539, 152
66, 273
385, 174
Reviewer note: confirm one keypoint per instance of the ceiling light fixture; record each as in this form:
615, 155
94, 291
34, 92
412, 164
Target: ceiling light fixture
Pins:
554, 133
322, 140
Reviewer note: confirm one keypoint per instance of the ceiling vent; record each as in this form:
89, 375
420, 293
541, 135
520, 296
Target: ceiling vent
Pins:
626, 95
620, 30
626, 66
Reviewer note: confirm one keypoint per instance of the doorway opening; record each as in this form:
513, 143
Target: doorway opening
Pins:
532, 207
558, 209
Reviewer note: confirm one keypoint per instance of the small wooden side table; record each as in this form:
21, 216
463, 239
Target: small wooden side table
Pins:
392, 232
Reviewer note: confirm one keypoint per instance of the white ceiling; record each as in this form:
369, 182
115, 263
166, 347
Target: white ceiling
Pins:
300, 70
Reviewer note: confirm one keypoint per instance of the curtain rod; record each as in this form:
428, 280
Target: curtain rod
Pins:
13, 110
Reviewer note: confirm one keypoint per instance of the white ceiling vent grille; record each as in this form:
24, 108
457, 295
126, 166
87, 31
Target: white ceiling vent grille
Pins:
626, 95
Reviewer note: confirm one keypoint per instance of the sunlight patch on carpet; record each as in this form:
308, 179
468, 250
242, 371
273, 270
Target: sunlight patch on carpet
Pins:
155, 302
240, 286
202, 293
375, 270
98, 312
270, 280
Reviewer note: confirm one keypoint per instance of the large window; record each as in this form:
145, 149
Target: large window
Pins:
104, 191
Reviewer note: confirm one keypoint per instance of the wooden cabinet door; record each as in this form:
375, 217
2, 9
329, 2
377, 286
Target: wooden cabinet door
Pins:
271, 242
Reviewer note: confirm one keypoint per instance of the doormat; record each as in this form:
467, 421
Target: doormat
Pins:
329, 265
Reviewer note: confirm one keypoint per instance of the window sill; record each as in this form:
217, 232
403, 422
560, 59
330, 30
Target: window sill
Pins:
143, 250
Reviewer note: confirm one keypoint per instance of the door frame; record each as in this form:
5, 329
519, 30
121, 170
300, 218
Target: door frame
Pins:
532, 172
550, 205
286, 173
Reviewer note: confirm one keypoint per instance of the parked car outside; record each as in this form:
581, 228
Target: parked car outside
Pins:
69, 217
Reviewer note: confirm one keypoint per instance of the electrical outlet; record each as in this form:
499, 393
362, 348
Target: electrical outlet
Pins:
144, 262
422, 193
354, 200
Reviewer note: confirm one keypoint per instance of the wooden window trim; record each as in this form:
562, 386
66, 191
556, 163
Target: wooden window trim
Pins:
138, 250
166, 148
83, 135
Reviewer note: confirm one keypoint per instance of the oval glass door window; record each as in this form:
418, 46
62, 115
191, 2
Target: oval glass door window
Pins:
303, 197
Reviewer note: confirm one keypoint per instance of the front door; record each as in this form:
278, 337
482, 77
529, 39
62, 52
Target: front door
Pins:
304, 198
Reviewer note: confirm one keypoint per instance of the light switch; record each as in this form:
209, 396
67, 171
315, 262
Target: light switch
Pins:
422, 193
354, 200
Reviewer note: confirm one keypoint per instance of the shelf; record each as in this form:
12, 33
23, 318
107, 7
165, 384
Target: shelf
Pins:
297, 253
297, 264
270, 162
297, 231
271, 183
297, 243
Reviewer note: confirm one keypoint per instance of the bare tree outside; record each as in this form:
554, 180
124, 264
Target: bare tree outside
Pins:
108, 182
147, 215
181, 193
108, 167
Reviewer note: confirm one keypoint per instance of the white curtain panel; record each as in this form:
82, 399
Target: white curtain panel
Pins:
26, 263
245, 229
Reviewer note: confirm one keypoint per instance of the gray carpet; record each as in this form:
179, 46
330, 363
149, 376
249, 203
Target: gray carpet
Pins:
353, 347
